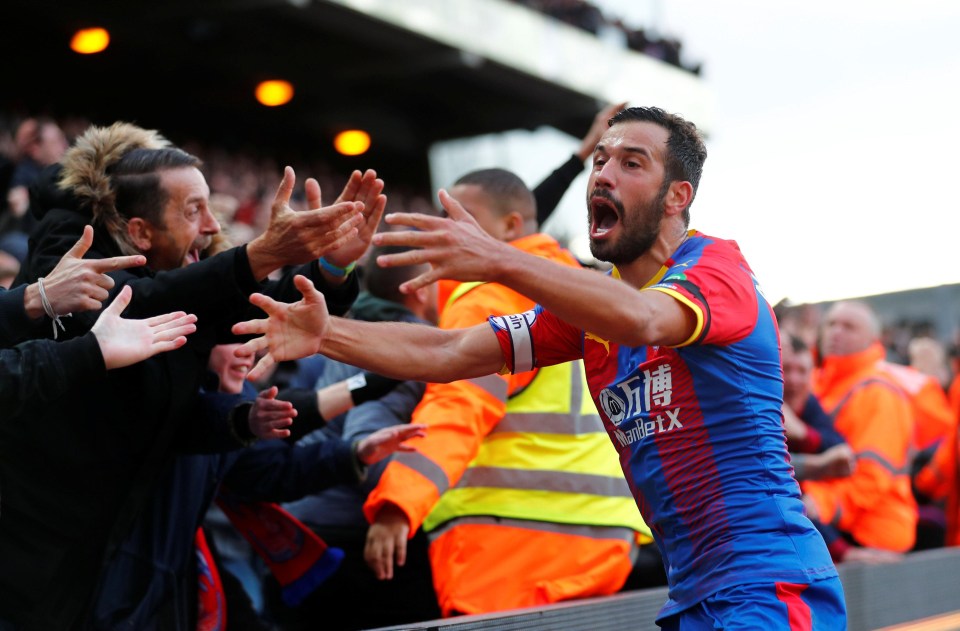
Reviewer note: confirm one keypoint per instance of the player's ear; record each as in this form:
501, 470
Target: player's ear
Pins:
678, 197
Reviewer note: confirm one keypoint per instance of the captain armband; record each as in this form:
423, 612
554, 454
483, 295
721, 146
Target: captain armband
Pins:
517, 328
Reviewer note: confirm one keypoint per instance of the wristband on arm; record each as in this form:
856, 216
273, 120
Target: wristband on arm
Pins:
333, 270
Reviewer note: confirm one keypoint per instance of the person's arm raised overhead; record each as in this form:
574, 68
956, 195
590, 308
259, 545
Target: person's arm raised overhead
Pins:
395, 349
294, 238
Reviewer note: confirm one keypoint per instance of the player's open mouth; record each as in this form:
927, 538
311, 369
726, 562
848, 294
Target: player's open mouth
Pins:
603, 216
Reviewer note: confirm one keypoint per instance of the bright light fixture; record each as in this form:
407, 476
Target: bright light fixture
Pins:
88, 41
352, 142
275, 92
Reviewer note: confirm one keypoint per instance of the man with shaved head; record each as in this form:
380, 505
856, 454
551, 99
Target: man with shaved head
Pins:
873, 508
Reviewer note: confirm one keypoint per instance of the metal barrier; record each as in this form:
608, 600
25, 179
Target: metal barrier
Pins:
923, 585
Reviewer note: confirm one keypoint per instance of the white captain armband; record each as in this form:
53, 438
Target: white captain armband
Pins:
521, 341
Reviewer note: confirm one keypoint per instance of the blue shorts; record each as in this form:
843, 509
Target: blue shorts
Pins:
768, 606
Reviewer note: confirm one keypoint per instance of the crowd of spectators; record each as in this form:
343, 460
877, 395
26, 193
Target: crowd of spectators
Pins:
243, 188
242, 184
588, 17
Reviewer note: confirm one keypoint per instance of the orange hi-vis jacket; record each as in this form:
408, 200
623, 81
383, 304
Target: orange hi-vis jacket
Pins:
953, 396
939, 479
932, 416
875, 505
516, 482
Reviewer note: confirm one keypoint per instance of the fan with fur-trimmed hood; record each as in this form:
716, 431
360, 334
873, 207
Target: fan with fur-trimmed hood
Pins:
86, 167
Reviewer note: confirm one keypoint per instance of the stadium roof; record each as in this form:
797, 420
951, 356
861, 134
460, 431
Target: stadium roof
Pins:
414, 74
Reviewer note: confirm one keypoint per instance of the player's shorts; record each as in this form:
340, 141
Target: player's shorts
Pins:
816, 606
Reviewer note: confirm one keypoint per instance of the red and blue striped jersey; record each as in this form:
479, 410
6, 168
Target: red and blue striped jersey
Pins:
698, 427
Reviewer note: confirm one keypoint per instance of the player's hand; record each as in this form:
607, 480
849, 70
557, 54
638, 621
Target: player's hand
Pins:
290, 331
456, 247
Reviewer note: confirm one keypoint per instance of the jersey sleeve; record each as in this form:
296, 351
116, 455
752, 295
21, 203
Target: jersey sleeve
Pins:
535, 339
720, 290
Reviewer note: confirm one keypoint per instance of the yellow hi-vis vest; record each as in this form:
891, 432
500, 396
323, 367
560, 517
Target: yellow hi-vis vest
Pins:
548, 460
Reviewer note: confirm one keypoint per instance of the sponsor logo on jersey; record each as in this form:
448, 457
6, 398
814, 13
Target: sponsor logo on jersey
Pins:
628, 405
596, 338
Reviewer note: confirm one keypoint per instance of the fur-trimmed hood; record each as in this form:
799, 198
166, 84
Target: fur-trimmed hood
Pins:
85, 172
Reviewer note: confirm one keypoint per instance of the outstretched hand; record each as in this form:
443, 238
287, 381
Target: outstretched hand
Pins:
290, 330
387, 440
125, 342
78, 284
270, 417
294, 238
456, 247
367, 189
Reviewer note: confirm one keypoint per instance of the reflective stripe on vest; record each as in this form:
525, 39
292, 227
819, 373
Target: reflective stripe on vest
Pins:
578, 530
548, 460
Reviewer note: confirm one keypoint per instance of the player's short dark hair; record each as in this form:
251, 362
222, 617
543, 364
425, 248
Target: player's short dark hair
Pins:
686, 151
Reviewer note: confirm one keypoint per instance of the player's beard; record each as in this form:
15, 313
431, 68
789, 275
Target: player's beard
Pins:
639, 229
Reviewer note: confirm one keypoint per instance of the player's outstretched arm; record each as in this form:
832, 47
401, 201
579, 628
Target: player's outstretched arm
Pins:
395, 349
458, 249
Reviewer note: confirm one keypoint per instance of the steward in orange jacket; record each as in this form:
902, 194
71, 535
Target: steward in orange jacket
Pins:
933, 417
516, 483
874, 507
939, 479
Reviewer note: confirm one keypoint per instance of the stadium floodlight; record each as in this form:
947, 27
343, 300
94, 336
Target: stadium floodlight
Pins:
88, 41
274, 92
352, 142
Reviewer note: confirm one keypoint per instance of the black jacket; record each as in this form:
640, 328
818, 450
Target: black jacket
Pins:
75, 474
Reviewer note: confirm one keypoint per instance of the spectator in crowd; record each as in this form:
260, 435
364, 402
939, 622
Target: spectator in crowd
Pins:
939, 481
336, 514
933, 419
816, 449
495, 524
874, 508
155, 580
67, 507
74, 284
39, 142
927, 355
926, 380
40, 370
953, 391
682, 358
